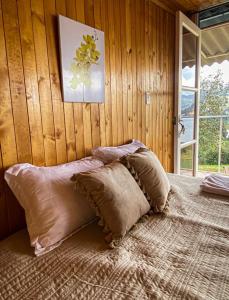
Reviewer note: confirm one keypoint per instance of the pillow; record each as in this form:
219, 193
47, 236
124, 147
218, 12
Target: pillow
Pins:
52, 207
150, 175
116, 197
109, 154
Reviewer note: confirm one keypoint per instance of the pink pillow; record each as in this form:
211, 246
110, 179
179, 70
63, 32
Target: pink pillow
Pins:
109, 154
53, 209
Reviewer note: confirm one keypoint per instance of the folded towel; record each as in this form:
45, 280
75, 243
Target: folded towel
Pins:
216, 184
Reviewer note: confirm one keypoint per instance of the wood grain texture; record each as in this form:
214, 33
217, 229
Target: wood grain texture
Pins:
36, 126
186, 6
196, 5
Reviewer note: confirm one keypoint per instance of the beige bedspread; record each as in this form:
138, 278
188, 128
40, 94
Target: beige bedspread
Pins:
184, 255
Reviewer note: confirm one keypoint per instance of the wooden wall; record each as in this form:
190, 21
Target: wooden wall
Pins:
37, 127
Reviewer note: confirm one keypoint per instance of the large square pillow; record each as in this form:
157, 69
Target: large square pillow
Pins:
109, 154
115, 196
150, 175
53, 209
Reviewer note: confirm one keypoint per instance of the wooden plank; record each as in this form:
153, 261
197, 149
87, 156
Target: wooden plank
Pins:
169, 96
161, 93
171, 91
108, 104
87, 134
134, 70
151, 75
158, 81
167, 5
95, 120
129, 51
124, 53
147, 73
155, 79
8, 151
16, 76
139, 69
113, 72
166, 96
77, 107
161, 87
7, 132
60, 8
43, 81
68, 107
165, 110
158, 70
79, 130
74, 109
98, 25
188, 5
58, 109
31, 85
118, 65
143, 71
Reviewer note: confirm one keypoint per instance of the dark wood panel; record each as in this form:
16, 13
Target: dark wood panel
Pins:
187, 6
36, 126
196, 5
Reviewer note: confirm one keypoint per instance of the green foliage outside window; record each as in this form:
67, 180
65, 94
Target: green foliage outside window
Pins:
214, 102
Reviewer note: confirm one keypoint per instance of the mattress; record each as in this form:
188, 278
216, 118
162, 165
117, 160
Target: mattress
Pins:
180, 255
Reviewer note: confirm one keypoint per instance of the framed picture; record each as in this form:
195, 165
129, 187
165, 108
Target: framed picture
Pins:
82, 61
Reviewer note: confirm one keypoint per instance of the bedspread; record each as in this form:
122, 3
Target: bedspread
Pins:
181, 255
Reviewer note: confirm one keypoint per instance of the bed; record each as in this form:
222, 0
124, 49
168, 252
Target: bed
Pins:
181, 255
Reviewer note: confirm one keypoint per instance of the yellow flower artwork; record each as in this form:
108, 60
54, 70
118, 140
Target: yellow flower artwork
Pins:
86, 55
82, 61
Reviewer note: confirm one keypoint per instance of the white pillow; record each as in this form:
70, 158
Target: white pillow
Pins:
109, 154
52, 207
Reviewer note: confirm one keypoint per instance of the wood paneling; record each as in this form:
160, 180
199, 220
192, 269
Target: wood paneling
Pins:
37, 127
196, 5
187, 6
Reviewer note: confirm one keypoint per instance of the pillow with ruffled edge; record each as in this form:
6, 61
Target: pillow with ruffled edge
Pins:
150, 175
116, 198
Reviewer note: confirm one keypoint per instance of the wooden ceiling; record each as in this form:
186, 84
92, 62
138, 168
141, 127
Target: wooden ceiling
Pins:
196, 5
187, 6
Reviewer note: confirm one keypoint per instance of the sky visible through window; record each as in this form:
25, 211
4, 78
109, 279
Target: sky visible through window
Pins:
211, 70
189, 73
